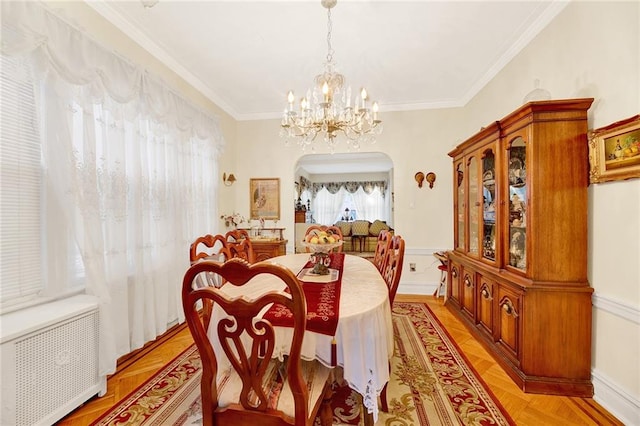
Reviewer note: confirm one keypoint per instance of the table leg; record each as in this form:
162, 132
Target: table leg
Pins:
326, 415
361, 241
366, 416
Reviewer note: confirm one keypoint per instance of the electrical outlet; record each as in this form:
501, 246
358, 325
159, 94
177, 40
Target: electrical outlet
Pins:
412, 267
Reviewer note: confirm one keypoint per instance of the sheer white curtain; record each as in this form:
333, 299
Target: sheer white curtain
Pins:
371, 206
129, 176
326, 205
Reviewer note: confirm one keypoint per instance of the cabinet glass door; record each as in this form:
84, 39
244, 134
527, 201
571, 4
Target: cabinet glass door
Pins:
489, 205
460, 207
517, 204
473, 203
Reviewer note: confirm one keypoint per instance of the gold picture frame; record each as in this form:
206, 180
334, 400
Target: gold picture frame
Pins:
264, 198
614, 151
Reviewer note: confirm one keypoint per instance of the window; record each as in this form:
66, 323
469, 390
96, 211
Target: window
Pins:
348, 212
21, 178
330, 207
23, 201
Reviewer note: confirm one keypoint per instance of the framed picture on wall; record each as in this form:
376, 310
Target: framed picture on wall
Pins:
264, 199
614, 151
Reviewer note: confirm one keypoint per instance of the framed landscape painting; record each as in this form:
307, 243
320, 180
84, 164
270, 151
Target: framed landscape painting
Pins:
614, 151
264, 199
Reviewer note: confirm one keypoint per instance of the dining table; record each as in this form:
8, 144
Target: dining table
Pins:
363, 342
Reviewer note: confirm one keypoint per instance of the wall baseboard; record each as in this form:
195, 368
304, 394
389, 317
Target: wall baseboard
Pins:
614, 399
421, 288
617, 401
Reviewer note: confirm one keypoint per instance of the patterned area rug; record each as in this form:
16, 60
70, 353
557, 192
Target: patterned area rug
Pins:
431, 384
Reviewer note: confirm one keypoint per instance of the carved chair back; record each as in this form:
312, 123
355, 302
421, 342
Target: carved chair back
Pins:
393, 266
245, 396
382, 249
239, 245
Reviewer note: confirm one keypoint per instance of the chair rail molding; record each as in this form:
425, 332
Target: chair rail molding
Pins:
616, 307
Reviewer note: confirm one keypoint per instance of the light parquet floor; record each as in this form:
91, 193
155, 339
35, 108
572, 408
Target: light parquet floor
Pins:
525, 409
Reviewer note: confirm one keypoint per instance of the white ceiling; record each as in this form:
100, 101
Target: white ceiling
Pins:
246, 55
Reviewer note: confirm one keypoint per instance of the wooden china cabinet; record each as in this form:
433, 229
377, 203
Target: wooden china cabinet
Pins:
518, 270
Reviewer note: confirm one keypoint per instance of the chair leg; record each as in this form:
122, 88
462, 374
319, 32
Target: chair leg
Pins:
326, 413
443, 284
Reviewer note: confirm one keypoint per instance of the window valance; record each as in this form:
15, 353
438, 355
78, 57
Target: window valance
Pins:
350, 186
30, 29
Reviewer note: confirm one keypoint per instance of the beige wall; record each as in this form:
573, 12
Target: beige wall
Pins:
592, 49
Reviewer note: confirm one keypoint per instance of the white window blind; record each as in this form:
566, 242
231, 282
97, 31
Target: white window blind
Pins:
21, 182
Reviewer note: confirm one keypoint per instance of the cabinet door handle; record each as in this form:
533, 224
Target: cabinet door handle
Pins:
467, 281
508, 308
485, 294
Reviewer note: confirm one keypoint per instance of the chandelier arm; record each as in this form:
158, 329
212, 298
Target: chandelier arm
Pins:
303, 130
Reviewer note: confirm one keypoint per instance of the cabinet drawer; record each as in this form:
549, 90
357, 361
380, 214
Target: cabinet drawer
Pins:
509, 322
484, 314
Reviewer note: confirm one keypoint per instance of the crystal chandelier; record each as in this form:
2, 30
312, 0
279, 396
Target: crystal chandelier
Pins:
327, 108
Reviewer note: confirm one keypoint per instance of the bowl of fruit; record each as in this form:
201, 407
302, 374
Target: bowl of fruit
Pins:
321, 243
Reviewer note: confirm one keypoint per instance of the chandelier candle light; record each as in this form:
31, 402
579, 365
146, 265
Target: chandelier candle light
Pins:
327, 108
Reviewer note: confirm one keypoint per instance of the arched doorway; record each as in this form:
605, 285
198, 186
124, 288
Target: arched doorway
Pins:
316, 175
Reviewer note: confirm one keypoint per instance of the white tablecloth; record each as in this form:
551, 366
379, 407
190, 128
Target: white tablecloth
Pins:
364, 335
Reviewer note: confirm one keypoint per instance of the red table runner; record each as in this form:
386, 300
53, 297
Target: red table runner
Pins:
323, 302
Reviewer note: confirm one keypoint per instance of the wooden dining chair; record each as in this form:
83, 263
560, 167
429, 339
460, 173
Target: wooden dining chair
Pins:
391, 274
333, 230
239, 245
212, 247
256, 389
393, 266
382, 249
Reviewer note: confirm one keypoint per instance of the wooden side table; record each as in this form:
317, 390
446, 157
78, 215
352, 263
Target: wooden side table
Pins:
267, 242
268, 248
361, 241
443, 268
